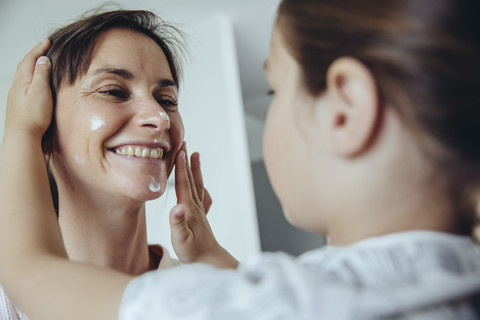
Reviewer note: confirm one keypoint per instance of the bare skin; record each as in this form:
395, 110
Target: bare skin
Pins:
29, 111
339, 137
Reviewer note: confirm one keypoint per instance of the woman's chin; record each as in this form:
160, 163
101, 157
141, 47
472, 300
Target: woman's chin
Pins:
145, 191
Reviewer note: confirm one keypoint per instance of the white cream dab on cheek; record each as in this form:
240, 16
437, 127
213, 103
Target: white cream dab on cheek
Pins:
154, 186
79, 159
96, 123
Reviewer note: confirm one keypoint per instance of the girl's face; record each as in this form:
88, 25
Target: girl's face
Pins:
119, 129
292, 143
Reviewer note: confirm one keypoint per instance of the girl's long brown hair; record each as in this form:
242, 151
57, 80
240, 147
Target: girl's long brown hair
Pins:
425, 56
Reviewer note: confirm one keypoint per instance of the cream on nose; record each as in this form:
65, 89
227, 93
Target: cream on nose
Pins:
149, 115
164, 116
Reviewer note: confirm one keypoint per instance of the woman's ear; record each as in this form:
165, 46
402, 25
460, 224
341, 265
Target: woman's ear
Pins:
355, 106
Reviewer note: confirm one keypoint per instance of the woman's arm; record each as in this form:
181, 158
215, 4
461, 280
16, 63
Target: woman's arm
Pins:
34, 268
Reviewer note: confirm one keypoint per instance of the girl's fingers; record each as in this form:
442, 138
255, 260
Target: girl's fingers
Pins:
41, 76
190, 177
188, 180
26, 67
177, 220
207, 201
197, 175
182, 182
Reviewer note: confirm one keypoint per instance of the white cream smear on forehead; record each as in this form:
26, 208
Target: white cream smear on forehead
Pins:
154, 186
96, 123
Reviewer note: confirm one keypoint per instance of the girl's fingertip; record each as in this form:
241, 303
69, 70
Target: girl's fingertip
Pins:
43, 42
181, 154
43, 60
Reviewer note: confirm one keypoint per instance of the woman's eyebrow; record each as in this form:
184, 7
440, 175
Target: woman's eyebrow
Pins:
167, 83
123, 73
127, 75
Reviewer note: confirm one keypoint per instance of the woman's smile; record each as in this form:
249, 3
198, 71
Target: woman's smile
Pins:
122, 118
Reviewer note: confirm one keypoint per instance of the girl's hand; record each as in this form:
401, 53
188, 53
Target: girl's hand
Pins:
30, 103
192, 237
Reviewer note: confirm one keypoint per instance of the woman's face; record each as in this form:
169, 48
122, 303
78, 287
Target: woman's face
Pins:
119, 129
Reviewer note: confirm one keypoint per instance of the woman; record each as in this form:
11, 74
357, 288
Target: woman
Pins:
371, 139
115, 133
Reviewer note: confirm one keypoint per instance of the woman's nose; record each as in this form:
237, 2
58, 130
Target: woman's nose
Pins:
151, 115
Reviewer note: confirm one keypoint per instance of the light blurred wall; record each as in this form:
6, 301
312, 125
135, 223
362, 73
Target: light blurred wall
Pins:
210, 104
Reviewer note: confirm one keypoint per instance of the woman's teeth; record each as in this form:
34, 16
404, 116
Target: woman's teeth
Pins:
140, 152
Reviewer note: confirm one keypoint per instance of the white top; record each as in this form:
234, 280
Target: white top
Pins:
411, 275
8, 311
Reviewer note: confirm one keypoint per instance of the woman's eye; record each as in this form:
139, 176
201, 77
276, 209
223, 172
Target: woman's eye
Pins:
270, 92
168, 104
116, 93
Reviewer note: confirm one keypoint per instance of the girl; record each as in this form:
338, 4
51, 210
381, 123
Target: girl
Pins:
370, 140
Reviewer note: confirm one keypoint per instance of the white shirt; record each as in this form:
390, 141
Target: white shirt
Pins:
411, 275
7, 310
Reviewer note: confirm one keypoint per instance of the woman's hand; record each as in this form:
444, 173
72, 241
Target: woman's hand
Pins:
30, 103
192, 237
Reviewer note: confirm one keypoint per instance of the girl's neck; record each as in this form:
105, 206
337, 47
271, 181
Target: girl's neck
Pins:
112, 237
392, 188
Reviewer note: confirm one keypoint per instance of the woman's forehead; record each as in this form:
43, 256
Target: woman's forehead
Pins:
128, 53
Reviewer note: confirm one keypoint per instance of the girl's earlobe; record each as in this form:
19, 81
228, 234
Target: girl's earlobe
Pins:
355, 108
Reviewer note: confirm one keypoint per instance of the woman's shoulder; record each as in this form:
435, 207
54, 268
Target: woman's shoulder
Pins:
7, 310
161, 258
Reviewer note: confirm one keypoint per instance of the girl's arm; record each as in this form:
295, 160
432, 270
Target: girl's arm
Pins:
34, 269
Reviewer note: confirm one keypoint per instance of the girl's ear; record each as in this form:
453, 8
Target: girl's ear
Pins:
355, 108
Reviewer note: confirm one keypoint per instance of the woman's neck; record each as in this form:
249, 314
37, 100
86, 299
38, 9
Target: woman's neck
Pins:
112, 237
